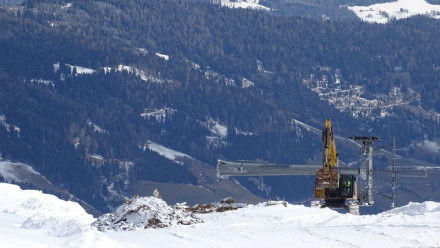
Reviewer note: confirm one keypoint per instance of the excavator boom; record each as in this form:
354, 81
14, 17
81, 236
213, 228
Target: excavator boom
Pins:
327, 177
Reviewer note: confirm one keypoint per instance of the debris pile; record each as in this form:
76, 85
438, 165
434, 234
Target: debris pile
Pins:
226, 204
145, 212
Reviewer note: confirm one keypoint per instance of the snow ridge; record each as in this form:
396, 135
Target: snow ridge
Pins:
46, 212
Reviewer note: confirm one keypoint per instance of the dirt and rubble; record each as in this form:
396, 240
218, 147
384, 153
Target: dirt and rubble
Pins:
153, 212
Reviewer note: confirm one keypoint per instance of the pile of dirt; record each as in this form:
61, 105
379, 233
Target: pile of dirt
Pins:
145, 212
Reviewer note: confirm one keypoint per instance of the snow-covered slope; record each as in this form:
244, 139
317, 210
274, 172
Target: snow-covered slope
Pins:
164, 151
21, 173
246, 4
384, 12
30, 218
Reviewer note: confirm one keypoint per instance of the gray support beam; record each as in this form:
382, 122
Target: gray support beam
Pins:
251, 168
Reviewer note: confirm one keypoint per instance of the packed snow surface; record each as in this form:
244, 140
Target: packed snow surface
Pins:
30, 218
384, 12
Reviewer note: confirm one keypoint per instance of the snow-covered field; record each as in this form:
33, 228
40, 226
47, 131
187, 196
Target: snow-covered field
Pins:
32, 219
384, 12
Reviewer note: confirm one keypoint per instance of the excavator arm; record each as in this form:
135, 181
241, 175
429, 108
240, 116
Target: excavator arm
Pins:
327, 177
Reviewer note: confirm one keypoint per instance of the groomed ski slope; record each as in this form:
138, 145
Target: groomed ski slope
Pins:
30, 218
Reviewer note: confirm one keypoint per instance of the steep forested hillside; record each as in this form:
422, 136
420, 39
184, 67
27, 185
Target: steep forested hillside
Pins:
88, 84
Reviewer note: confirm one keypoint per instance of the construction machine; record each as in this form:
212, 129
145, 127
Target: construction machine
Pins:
330, 185
335, 186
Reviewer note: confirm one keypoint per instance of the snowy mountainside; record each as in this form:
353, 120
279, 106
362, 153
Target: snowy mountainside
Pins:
29, 218
385, 12
371, 11
107, 76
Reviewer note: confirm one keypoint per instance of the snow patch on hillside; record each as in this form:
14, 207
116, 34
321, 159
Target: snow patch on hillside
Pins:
211, 74
68, 5
79, 70
159, 115
193, 64
246, 83
245, 4
43, 81
384, 12
241, 132
16, 172
140, 73
75, 70
216, 128
164, 151
96, 128
165, 57
8, 126
218, 132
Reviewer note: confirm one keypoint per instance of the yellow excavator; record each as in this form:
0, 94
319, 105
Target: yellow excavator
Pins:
334, 185
330, 185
